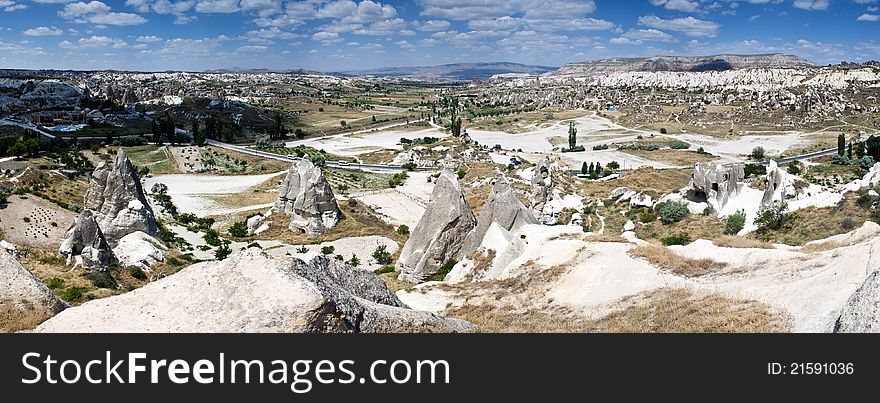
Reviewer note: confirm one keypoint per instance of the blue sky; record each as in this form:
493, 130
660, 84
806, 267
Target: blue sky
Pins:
337, 35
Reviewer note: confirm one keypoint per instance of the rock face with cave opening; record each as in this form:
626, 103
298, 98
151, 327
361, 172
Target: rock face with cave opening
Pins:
117, 198
305, 196
440, 234
715, 183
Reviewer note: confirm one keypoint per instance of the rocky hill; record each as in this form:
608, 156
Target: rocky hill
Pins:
455, 72
252, 292
682, 64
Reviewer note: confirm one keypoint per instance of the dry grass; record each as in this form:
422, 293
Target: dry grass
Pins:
394, 284
673, 157
17, 318
698, 226
729, 241
664, 258
661, 311
358, 219
682, 311
812, 223
655, 182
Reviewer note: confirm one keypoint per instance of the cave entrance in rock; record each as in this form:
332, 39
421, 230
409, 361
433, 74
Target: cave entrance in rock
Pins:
698, 196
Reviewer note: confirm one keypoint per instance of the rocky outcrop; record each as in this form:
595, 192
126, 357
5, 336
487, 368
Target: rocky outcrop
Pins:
862, 311
440, 233
542, 187
305, 196
140, 250
24, 300
117, 198
715, 183
257, 224
252, 292
691, 64
503, 208
85, 244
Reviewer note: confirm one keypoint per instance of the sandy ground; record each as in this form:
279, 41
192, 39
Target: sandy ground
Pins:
404, 204
188, 158
39, 232
739, 148
193, 193
362, 246
352, 144
809, 287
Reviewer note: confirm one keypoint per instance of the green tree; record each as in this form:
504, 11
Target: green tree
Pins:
672, 212
758, 153
860, 149
585, 169
735, 223
381, 255
598, 170
572, 136
239, 230
613, 165
198, 135
299, 133
872, 147
841, 144
590, 169
849, 151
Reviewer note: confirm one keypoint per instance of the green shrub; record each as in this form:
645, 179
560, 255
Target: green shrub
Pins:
222, 252
239, 230
680, 145
381, 255
339, 258
848, 223
55, 283
673, 212
647, 217
443, 270
735, 223
101, 280
461, 173
754, 169
74, 294
354, 261
774, 218
303, 249
757, 154
328, 250
137, 273
677, 239
403, 230
388, 268
212, 237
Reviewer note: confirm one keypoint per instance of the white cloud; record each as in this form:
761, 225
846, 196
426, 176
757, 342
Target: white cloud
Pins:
812, 4
869, 17
93, 42
431, 25
148, 38
43, 31
689, 26
96, 12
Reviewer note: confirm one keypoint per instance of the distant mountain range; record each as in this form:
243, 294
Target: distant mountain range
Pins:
261, 71
483, 71
455, 71
683, 64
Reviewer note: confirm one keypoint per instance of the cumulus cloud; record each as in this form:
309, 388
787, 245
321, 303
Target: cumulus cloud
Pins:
98, 13
689, 26
43, 31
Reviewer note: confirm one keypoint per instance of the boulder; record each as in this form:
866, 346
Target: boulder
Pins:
305, 196
618, 192
85, 243
861, 314
629, 226
252, 292
24, 300
503, 208
257, 224
641, 200
542, 187
117, 198
715, 183
440, 234
140, 250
